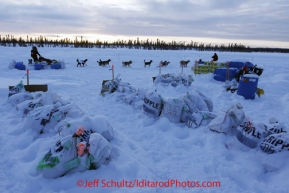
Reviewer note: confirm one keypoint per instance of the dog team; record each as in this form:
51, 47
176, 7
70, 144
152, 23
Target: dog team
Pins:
104, 63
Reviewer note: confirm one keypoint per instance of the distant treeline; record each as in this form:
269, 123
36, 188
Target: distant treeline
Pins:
41, 41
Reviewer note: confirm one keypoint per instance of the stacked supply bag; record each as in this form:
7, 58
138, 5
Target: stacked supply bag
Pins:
79, 148
173, 109
124, 92
228, 121
153, 104
250, 134
193, 108
17, 89
110, 86
270, 138
277, 139
174, 79
43, 111
81, 151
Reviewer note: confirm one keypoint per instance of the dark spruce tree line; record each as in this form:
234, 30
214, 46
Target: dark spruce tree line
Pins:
11, 41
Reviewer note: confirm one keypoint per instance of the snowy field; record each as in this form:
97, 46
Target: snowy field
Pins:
145, 148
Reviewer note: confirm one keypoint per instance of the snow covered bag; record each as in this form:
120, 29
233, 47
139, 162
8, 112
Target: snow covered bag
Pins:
127, 94
92, 153
221, 124
55, 116
19, 88
100, 124
228, 121
236, 114
207, 100
165, 78
207, 117
82, 162
275, 127
192, 107
251, 134
97, 124
172, 109
69, 155
99, 150
152, 105
194, 120
109, 86
174, 79
124, 87
19, 98
275, 143
182, 79
177, 80
44, 119
195, 98
26, 106
36, 99
202, 103
135, 99
197, 118
185, 114
186, 80
57, 161
37, 118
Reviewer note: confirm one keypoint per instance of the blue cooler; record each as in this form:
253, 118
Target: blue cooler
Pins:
219, 78
20, 66
248, 85
220, 74
38, 66
55, 66
238, 65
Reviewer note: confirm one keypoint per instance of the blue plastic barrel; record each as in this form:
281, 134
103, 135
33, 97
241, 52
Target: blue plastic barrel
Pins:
20, 66
55, 66
248, 85
38, 66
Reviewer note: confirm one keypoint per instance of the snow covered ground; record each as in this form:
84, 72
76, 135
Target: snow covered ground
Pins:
145, 149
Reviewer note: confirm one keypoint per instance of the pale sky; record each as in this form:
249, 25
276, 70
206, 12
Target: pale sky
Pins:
262, 23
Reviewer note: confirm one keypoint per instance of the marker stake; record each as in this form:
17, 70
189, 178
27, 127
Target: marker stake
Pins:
27, 74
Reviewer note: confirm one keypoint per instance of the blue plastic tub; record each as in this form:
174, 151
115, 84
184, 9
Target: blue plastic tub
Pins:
240, 65
237, 65
38, 66
248, 85
222, 78
20, 66
223, 72
55, 66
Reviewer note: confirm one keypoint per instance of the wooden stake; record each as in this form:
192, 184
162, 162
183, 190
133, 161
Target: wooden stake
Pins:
27, 74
